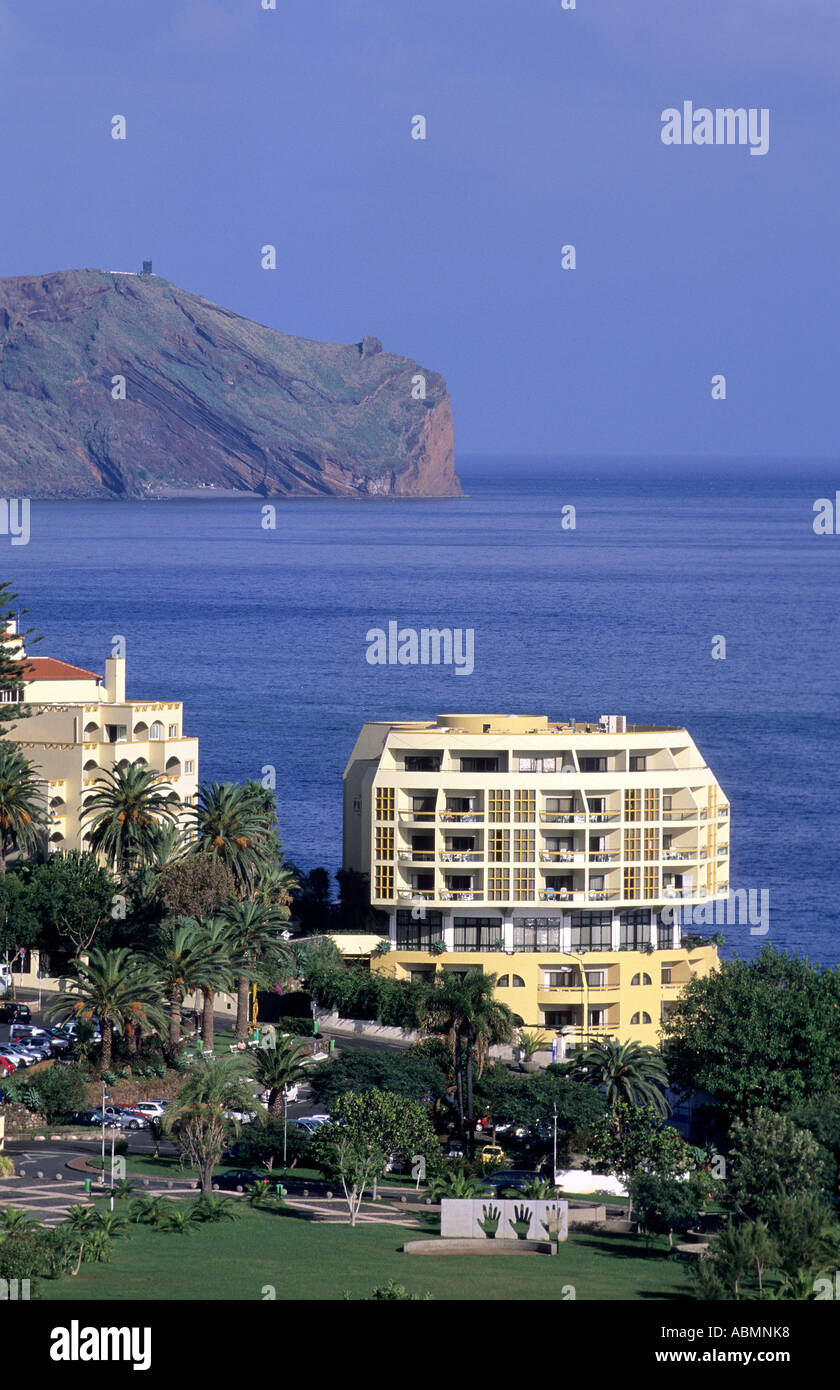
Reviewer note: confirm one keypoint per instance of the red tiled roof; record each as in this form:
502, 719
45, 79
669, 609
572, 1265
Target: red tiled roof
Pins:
46, 668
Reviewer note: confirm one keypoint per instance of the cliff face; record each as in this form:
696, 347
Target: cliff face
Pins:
211, 399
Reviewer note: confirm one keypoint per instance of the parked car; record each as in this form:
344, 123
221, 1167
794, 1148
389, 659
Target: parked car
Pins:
7, 1066
492, 1153
148, 1109
311, 1122
11, 1012
239, 1177
243, 1117
84, 1117
510, 1177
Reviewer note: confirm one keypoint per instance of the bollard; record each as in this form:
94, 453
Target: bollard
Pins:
39, 1174
306, 1192
145, 1182
58, 1177
87, 1187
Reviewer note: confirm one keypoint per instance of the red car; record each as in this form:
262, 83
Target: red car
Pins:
6, 1066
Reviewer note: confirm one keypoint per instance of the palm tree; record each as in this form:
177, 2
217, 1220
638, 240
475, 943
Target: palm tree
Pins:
275, 885
215, 970
627, 1071
255, 930
197, 1120
117, 987
22, 814
278, 1068
125, 815
229, 821
464, 1008
184, 964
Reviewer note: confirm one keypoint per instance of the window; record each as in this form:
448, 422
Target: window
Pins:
499, 845
156, 731
480, 765
537, 933
498, 885
631, 883
498, 803
638, 762
173, 730
634, 928
667, 802
591, 930
524, 805
422, 764
651, 844
476, 933
632, 804
189, 765
415, 934
641, 979
593, 764
523, 885
632, 844
664, 934
640, 1018
524, 845
557, 1018
537, 764
384, 842
596, 883
384, 881
503, 982
596, 979
11, 697
518, 982
652, 804
384, 803
666, 974
561, 979
651, 882
114, 733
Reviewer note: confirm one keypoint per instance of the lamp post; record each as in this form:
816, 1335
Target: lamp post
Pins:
554, 1165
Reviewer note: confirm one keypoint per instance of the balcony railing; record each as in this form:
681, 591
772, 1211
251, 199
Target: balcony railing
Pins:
417, 856
722, 849
603, 817
679, 854
415, 895
461, 895
461, 817
409, 817
457, 856
563, 817
683, 815
604, 857
562, 856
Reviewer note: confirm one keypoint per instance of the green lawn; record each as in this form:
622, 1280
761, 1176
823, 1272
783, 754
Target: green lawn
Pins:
315, 1260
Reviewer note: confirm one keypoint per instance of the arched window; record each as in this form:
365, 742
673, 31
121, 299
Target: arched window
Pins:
518, 982
141, 730
503, 981
156, 730
640, 1018
642, 979
91, 765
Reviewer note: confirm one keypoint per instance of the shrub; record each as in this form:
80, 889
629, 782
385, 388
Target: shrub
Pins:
38, 1253
298, 1027
7, 1166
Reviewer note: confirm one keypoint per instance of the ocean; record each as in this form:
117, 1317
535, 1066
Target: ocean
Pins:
262, 633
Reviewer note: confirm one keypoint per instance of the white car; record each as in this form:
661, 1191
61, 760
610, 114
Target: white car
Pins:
244, 1117
149, 1109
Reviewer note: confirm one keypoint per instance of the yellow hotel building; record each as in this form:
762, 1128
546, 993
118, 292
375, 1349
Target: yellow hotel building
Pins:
556, 856
81, 723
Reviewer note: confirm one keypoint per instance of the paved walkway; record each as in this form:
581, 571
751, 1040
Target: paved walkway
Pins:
46, 1199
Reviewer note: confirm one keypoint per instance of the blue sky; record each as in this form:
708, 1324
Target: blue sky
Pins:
292, 127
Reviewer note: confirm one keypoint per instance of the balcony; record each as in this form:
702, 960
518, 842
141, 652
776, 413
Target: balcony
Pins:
415, 895
456, 856
604, 857
461, 817
563, 817
679, 854
415, 817
604, 817
460, 895
683, 815
562, 856
561, 895
722, 850
417, 856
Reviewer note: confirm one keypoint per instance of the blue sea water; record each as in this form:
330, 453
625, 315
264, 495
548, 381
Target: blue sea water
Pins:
262, 633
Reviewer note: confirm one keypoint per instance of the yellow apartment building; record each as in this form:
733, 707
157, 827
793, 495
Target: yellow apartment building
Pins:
556, 856
81, 724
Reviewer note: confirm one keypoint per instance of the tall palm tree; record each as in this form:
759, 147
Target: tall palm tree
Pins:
278, 1068
123, 817
119, 988
215, 971
228, 821
627, 1071
22, 811
197, 1119
275, 885
181, 963
255, 931
463, 1007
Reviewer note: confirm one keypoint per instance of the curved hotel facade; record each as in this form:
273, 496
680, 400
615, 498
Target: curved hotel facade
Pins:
556, 856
